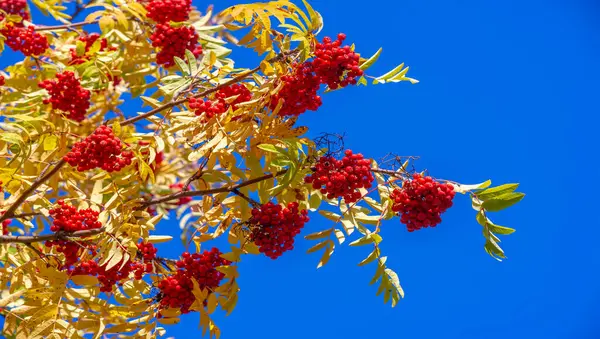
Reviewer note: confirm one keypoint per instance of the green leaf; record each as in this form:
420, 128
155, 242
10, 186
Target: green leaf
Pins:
182, 66
500, 229
191, 60
369, 62
496, 191
502, 201
367, 239
269, 148
460, 188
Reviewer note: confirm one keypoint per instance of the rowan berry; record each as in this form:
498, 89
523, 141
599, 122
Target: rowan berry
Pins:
5, 223
163, 11
335, 65
176, 290
299, 91
24, 39
14, 7
274, 227
70, 219
2, 80
341, 178
89, 40
67, 95
421, 201
102, 149
173, 42
220, 104
178, 187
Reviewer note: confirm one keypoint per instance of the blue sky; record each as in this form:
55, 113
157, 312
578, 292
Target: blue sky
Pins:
508, 92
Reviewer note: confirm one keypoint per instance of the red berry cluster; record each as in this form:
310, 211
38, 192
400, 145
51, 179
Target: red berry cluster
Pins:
67, 95
15, 7
72, 252
89, 40
2, 80
335, 65
70, 219
299, 92
274, 227
173, 42
176, 290
178, 187
25, 40
219, 105
341, 178
421, 201
6, 222
101, 149
163, 11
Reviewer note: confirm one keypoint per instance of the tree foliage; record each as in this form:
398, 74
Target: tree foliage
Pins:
218, 147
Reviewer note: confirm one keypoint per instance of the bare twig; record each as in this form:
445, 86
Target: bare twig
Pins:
46, 174
245, 197
28, 239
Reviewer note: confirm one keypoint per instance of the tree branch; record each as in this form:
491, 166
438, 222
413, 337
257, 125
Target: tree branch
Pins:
67, 26
230, 188
46, 174
174, 103
28, 239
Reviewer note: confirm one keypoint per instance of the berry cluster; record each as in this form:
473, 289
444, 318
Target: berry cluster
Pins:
173, 42
163, 11
72, 252
299, 92
274, 227
25, 40
14, 7
178, 187
6, 222
176, 290
341, 178
70, 219
421, 201
101, 149
89, 40
2, 80
67, 95
335, 65
219, 105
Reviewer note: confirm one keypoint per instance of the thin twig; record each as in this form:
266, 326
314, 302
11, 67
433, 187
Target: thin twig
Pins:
182, 194
42, 178
28, 239
245, 197
67, 26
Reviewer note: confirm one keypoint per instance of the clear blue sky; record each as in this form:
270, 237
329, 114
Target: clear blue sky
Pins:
508, 91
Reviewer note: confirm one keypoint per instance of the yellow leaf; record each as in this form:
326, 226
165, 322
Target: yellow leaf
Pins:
155, 239
50, 142
84, 280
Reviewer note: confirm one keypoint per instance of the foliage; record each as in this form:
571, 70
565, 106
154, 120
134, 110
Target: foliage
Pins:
84, 184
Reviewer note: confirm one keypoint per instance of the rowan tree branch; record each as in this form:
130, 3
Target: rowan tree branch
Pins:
28, 239
231, 81
66, 26
46, 174
229, 188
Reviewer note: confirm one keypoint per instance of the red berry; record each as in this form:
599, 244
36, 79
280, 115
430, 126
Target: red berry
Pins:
15, 7
89, 40
24, 39
163, 11
341, 178
173, 42
2, 80
421, 201
299, 91
335, 65
102, 149
274, 227
67, 95
218, 105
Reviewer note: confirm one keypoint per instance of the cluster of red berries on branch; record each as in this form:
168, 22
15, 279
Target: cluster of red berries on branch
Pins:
163, 11
178, 187
14, 7
67, 95
101, 149
173, 42
25, 40
341, 178
421, 201
89, 40
219, 104
335, 65
158, 159
176, 289
274, 227
5, 223
68, 218
299, 91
